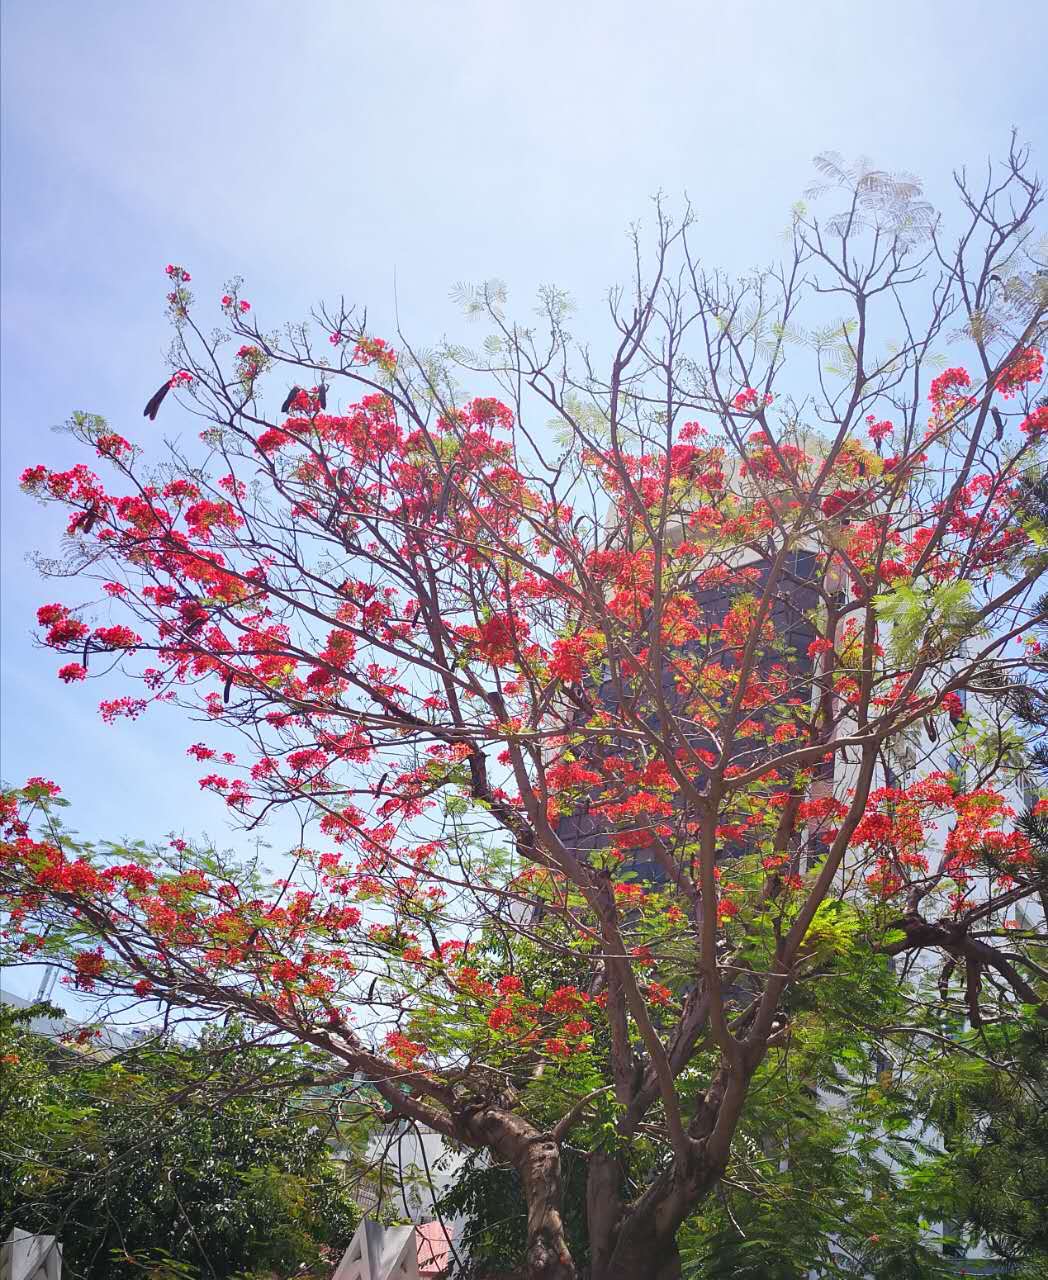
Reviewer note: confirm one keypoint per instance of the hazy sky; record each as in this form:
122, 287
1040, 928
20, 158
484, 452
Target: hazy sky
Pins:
317, 148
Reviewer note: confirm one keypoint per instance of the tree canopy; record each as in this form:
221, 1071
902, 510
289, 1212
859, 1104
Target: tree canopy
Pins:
202, 1160
642, 706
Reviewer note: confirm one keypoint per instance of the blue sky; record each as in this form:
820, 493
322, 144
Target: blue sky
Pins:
318, 148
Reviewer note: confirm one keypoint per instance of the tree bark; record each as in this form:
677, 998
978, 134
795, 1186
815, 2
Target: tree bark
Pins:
603, 1208
536, 1158
645, 1246
658, 1260
539, 1168
670, 1269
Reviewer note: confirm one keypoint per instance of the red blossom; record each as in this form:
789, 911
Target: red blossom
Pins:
947, 384
67, 631
496, 639
500, 1017
1035, 423
878, 431
566, 1000
110, 445
953, 705
90, 966
402, 1050
44, 785
836, 502
373, 350
116, 708
748, 397
118, 637
1027, 367
568, 662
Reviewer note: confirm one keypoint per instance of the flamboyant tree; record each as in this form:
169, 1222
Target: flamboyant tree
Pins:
609, 683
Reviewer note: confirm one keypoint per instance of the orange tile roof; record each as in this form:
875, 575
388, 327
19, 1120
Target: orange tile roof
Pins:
434, 1250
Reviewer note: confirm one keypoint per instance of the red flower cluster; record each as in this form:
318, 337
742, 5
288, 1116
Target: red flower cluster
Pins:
834, 503
110, 445
403, 1051
373, 351
500, 1017
63, 629
115, 708
566, 1000
748, 397
251, 361
43, 786
497, 638
118, 637
568, 662
953, 705
90, 966
1027, 367
878, 430
947, 385
1036, 422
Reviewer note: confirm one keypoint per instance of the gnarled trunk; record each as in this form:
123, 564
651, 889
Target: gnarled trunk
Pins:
539, 1167
536, 1158
643, 1242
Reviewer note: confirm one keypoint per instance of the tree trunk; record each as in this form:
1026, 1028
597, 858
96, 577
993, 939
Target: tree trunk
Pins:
539, 1168
660, 1260
536, 1158
670, 1267
603, 1208
645, 1240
